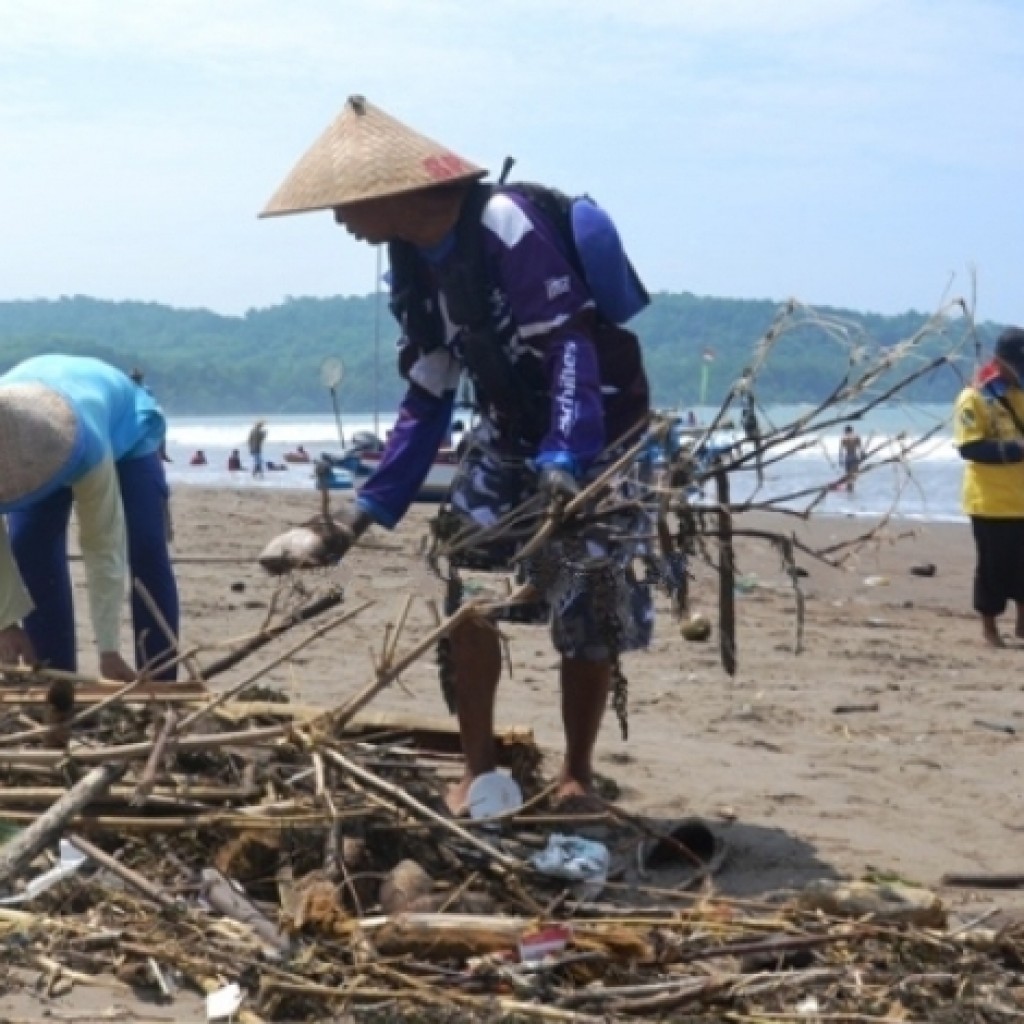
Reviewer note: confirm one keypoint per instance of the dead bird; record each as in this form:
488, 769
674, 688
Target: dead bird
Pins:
317, 544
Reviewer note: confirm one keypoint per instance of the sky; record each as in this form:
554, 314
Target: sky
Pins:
865, 154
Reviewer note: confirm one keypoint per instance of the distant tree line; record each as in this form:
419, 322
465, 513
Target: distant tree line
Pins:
268, 360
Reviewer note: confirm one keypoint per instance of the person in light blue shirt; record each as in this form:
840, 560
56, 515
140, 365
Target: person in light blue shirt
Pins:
77, 432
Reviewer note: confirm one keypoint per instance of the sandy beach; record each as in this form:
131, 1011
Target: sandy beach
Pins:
928, 780
892, 743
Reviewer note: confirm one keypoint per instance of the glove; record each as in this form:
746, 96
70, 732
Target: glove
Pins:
558, 485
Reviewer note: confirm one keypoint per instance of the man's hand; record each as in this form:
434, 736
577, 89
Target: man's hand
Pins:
16, 647
113, 666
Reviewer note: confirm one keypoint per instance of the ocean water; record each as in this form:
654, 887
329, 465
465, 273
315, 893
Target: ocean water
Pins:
925, 487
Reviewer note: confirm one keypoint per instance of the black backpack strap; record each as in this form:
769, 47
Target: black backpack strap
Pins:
1017, 422
556, 208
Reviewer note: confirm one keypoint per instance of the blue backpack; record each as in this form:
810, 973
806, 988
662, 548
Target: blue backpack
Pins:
594, 247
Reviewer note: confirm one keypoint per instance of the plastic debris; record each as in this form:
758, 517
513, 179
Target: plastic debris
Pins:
224, 1002
71, 859
543, 942
575, 859
493, 793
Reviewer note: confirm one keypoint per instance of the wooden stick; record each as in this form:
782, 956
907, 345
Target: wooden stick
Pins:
389, 648
161, 663
1010, 881
134, 751
190, 796
422, 810
341, 716
238, 688
726, 577
143, 885
16, 854
545, 531
161, 746
303, 614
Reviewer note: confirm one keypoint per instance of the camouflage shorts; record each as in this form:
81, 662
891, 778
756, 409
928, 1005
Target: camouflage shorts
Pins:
592, 596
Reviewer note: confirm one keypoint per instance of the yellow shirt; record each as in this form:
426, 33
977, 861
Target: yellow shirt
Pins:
990, 490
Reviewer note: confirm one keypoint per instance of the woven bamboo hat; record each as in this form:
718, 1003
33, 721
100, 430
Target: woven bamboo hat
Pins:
366, 154
37, 436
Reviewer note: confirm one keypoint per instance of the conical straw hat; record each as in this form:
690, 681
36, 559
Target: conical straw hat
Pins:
366, 154
37, 436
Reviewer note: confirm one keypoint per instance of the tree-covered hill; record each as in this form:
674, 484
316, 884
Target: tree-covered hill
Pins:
268, 359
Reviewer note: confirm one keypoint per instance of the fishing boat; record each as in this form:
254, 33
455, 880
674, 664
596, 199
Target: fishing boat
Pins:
363, 455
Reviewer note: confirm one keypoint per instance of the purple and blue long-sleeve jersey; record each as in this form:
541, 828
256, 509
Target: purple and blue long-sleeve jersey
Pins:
588, 372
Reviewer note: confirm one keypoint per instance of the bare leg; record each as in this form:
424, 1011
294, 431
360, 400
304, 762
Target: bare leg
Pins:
585, 687
990, 630
477, 662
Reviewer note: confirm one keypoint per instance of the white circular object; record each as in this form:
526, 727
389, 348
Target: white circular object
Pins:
493, 793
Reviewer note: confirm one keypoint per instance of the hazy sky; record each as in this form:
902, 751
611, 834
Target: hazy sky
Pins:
859, 153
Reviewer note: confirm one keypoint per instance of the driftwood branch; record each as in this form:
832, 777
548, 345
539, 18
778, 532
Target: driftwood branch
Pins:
18, 853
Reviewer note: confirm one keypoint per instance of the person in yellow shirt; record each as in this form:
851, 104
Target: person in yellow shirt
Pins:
989, 432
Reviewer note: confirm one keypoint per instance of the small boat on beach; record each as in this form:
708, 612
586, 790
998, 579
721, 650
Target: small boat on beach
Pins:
363, 456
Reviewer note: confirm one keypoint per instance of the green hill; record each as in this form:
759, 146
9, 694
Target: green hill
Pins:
268, 359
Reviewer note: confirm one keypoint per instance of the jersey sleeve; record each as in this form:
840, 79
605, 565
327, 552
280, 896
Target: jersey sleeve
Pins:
15, 602
102, 538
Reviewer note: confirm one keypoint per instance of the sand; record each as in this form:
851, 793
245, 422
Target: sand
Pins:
915, 783
916, 786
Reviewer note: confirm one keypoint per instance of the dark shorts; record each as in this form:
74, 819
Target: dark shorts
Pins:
588, 577
999, 576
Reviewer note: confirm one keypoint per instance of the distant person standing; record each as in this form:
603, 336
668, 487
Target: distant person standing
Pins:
78, 433
851, 450
989, 431
257, 436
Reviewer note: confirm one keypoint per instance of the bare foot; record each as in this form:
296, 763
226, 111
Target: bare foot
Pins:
456, 798
571, 796
993, 639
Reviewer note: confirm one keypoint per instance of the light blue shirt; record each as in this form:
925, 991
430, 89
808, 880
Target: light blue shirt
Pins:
114, 416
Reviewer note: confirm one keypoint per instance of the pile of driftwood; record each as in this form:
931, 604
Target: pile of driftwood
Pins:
305, 857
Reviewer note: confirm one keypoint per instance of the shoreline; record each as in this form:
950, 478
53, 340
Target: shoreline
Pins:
179, 486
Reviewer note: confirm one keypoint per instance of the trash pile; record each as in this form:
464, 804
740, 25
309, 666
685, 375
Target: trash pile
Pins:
296, 864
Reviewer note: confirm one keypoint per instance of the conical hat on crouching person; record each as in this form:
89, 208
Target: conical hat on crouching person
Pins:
366, 154
38, 431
